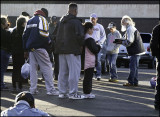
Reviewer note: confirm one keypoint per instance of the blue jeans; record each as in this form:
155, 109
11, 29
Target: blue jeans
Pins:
4, 64
112, 65
98, 67
133, 66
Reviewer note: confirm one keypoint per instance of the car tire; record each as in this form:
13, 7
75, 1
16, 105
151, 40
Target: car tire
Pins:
118, 64
126, 64
151, 65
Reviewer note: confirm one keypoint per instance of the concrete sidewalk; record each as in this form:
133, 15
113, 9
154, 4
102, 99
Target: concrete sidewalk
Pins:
112, 99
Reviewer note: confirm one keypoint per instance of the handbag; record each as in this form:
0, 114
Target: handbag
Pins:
25, 70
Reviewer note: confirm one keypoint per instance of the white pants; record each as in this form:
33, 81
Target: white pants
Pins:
69, 73
40, 57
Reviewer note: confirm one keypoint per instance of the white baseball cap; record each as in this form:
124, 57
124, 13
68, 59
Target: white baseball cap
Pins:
93, 15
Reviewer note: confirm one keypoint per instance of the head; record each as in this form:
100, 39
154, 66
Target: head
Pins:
126, 20
4, 22
112, 27
53, 20
21, 21
73, 9
45, 12
25, 14
94, 18
25, 96
88, 28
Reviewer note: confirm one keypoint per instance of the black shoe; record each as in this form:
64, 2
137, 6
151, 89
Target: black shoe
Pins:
157, 107
98, 79
136, 85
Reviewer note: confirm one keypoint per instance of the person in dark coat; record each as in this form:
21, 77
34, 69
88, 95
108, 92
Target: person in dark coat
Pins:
155, 46
18, 52
5, 48
52, 26
69, 43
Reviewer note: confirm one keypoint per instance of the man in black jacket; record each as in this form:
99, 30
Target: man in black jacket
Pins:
5, 48
69, 41
154, 45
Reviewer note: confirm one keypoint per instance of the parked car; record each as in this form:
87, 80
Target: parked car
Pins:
147, 58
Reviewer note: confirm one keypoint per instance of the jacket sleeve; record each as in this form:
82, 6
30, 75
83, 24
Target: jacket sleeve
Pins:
43, 28
25, 36
92, 46
154, 43
102, 35
79, 30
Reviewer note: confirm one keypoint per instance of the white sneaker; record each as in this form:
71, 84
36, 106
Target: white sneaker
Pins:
89, 96
53, 92
76, 97
34, 92
63, 96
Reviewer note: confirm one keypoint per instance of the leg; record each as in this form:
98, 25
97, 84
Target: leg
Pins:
14, 73
137, 66
109, 62
33, 72
157, 95
74, 65
4, 64
87, 82
98, 67
134, 62
44, 62
56, 67
113, 70
63, 74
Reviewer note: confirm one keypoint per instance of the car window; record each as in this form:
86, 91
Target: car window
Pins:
146, 38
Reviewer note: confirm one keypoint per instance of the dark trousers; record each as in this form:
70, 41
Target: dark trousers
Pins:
87, 82
56, 65
157, 96
18, 61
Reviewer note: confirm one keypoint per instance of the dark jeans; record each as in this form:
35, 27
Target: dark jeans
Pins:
56, 65
4, 64
157, 96
87, 82
133, 66
18, 61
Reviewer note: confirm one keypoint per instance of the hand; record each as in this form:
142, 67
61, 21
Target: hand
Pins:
118, 42
26, 55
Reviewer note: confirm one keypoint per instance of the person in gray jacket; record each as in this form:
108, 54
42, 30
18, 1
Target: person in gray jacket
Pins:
24, 106
69, 42
111, 50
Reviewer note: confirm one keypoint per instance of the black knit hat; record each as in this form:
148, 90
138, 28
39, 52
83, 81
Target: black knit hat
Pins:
26, 96
45, 11
25, 14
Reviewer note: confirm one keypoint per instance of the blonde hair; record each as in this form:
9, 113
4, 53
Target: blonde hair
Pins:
4, 19
127, 20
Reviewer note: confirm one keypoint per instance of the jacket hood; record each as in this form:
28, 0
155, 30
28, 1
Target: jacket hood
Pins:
67, 17
40, 12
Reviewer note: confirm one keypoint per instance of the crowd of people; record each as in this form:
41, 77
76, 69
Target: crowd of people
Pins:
69, 40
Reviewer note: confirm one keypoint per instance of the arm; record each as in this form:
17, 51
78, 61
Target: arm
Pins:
43, 29
129, 37
154, 40
79, 30
92, 46
102, 35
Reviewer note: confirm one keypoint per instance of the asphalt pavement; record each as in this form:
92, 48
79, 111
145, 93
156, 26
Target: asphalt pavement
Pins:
112, 99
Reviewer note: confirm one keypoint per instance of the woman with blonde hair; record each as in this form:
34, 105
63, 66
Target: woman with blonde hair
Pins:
133, 42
